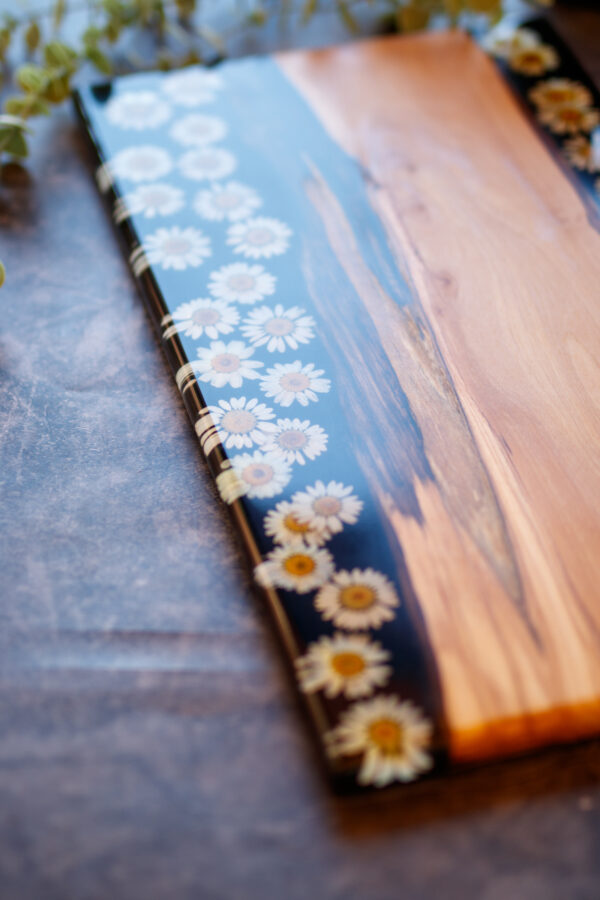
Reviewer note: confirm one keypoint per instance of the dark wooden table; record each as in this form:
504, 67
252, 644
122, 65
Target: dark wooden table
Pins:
150, 741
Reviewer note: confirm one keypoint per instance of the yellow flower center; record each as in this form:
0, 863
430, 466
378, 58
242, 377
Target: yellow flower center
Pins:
205, 316
279, 326
294, 381
387, 735
259, 236
238, 421
225, 362
241, 282
357, 596
292, 440
299, 564
257, 474
569, 114
327, 506
347, 664
292, 524
227, 200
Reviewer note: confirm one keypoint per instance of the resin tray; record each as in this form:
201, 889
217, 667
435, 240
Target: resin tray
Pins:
375, 272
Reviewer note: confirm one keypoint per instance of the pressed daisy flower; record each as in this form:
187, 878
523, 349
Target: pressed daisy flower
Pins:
196, 130
534, 60
295, 568
230, 201
582, 153
351, 665
357, 600
262, 474
287, 382
206, 163
569, 119
555, 92
393, 737
282, 525
222, 364
242, 423
191, 87
177, 248
278, 328
260, 237
142, 163
329, 506
505, 40
150, 200
205, 317
296, 441
241, 282
137, 110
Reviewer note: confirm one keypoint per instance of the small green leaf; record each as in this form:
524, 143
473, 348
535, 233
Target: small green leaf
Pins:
308, 10
31, 79
57, 89
347, 17
98, 59
58, 14
32, 36
13, 141
23, 107
412, 18
58, 54
5, 38
91, 35
2, 274
257, 17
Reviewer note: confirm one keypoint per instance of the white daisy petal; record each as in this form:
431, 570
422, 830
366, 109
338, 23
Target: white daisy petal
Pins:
241, 423
226, 364
207, 163
151, 200
329, 506
191, 87
556, 92
506, 39
176, 248
357, 600
137, 110
259, 238
289, 382
197, 130
296, 440
278, 328
241, 282
393, 737
143, 162
230, 201
283, 527
261, 474
295, 568
202, 317
350, 665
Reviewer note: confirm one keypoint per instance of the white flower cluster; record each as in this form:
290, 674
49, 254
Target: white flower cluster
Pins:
269, 434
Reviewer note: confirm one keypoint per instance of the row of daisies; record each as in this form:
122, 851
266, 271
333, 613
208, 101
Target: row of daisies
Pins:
392, 736
564, 106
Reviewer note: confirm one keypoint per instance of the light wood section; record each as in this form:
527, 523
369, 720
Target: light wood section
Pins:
499, 357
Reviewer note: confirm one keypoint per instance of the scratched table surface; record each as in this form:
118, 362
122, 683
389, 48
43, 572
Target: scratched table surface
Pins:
151, 745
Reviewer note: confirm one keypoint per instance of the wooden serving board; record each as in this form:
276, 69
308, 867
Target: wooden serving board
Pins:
410, 445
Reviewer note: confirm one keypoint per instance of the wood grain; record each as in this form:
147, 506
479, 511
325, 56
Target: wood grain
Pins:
498, 356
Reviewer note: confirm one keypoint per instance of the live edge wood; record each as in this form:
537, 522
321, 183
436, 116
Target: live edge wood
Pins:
498, 355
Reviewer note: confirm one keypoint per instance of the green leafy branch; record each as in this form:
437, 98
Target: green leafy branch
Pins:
45, 79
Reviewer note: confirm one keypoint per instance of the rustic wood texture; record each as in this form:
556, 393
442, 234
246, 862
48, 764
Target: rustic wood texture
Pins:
151, 747
497, 354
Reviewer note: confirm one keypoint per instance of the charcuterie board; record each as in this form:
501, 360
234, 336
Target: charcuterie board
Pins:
375, 272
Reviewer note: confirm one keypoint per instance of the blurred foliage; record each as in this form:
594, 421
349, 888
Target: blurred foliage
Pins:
48, 63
